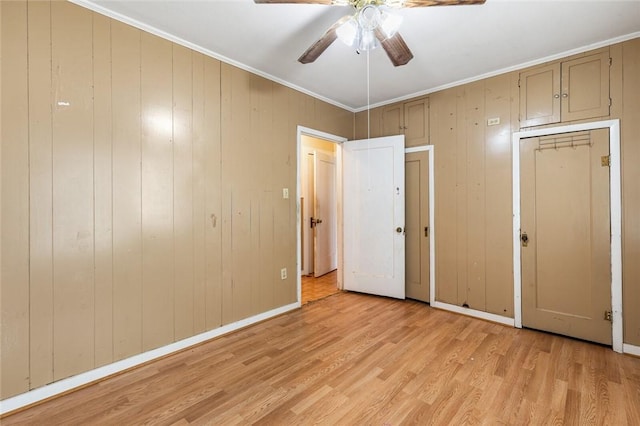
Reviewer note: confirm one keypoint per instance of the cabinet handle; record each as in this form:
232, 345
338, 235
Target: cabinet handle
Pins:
556, 96
565, 95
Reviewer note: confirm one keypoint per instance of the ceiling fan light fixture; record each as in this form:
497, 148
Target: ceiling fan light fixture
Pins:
348, 32
367, 40
389, 23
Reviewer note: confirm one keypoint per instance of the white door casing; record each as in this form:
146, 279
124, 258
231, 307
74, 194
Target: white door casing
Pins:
373, 200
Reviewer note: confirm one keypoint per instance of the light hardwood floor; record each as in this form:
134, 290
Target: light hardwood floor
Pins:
353, 359
318, 288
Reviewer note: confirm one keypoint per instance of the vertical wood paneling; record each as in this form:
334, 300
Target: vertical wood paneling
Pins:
200, 222
213, 184
445, 133
475, 225
127, 246
73, 210
462, 199
631, 191
262, 278
157, 192
498, 212
239, 157
283, 102
14, 315
183, 192
125, 198
40, 196
103, 189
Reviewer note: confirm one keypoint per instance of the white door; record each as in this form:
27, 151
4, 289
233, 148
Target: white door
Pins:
373, 197
325, 253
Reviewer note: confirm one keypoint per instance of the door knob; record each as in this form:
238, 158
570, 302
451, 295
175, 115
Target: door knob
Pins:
525, 239
399, 230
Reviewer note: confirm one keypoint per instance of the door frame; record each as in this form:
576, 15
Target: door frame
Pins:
338, 140
615, 199
432, 228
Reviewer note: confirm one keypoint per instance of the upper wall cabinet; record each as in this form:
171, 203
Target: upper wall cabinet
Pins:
572, 90
408, 118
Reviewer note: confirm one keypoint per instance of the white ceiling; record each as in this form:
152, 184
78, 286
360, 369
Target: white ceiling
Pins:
451, 44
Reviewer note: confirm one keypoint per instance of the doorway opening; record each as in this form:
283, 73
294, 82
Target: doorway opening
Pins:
319, 237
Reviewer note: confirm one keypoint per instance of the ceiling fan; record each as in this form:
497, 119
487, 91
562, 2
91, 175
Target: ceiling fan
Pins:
371, 25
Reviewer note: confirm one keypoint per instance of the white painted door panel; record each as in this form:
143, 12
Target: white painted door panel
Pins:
325, 214
373, 194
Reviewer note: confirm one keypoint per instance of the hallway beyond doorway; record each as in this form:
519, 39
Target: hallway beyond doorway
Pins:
319, 288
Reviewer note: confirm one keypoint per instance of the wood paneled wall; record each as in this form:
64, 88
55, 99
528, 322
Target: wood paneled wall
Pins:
141, 191
629, 88
473, 216
473, 194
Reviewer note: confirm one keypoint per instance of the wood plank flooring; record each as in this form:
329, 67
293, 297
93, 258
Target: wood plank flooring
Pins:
353, 359
319, 288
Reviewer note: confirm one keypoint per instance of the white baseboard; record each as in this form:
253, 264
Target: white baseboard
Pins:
65, 385
474, 313
630, 349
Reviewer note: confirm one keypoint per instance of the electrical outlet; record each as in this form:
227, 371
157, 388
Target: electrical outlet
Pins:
283, 273
285, 194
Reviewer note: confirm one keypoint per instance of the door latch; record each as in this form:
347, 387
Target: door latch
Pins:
315, 222
607, 315
525, 239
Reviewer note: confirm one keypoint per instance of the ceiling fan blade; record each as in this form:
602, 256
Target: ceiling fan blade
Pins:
316, 49
425, 3
327, 2
397, 50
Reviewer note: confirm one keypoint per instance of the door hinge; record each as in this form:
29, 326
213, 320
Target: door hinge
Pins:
605, 161
426, 231
607, 315
610, 61
518, 82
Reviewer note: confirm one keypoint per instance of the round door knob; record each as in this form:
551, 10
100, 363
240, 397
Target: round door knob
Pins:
399, 230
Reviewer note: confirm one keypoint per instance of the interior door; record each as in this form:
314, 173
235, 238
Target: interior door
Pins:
565, 228
416, 169
325, 253
374, 202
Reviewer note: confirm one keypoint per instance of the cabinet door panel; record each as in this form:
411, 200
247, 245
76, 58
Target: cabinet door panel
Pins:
540, 96
585, 87
416, 122
392, 120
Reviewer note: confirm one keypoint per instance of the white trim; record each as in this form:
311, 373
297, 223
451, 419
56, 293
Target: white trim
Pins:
501, 71
150, 29
616, 219
432, 229
65, 385
167, 36
473, 313
306, 131
631, 349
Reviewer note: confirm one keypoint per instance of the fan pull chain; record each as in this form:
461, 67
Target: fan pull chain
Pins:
368, 101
